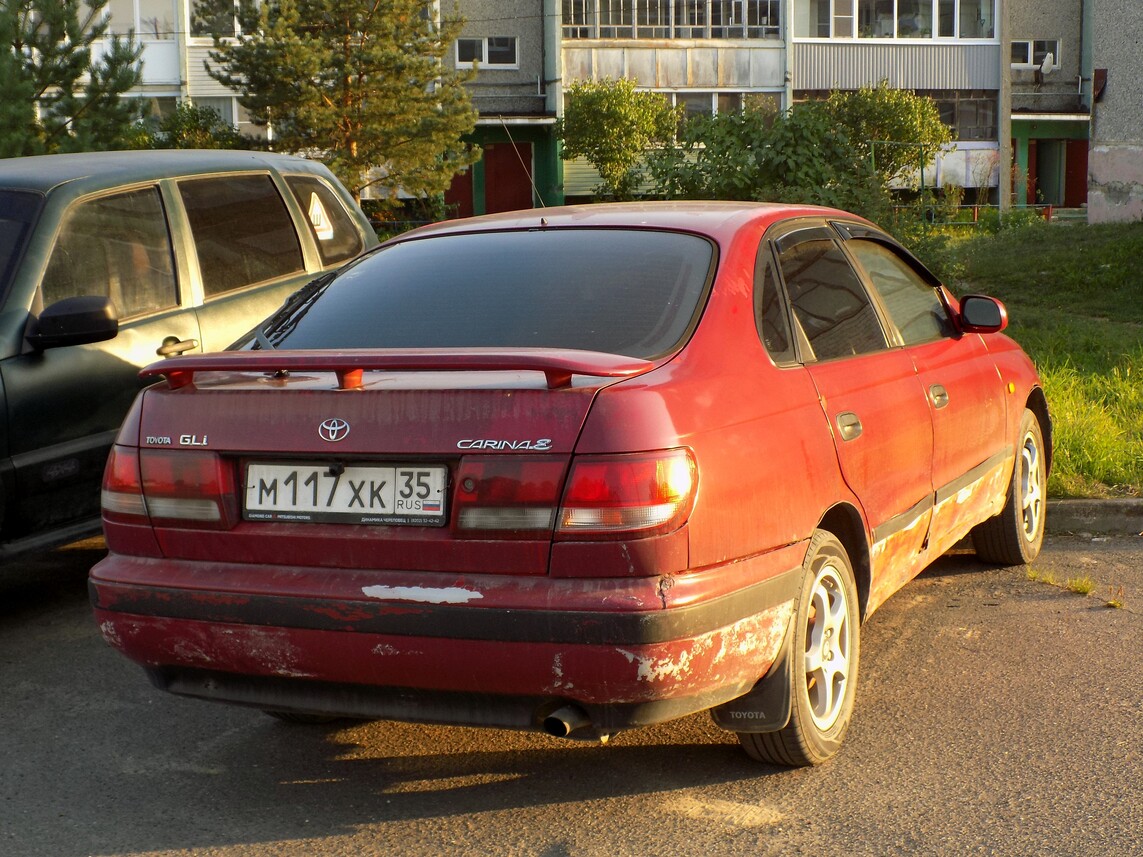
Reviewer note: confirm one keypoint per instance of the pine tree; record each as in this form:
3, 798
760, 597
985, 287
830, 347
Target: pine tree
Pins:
362, 84
53, 96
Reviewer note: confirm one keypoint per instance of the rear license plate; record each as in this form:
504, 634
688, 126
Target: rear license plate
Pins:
353, 494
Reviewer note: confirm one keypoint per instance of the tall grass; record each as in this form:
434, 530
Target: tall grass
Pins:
1075, 302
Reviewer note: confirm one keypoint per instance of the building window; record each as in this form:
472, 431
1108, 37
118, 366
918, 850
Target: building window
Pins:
490, 52
707, 103
895, 19
971, 113
151, 20
673, 19
210, 18
1036, 53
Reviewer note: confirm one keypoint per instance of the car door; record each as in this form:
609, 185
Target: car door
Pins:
971, 455
250, 251
869, 392
65, 404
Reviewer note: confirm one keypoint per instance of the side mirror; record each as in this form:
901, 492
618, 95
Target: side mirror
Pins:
982, 314
75, 321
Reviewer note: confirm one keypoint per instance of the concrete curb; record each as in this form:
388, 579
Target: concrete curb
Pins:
1119, 517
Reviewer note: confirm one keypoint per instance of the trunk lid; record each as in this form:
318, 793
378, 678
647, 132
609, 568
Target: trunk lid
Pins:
487, 434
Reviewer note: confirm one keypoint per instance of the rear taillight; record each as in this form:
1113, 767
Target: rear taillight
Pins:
508, 496
122, 495
621, 495
606, 496
184, 487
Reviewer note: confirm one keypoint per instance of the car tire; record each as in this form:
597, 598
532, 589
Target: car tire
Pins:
1014, 537
823, 662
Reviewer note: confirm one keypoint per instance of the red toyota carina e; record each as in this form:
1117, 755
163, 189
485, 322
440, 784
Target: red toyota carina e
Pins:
574, 470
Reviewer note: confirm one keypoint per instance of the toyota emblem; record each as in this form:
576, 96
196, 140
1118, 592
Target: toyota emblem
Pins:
333, 430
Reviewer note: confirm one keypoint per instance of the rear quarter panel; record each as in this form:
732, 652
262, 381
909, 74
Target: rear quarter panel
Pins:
767, 467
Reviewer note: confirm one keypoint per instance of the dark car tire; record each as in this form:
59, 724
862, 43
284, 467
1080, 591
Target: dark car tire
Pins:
1014, 537
823, 662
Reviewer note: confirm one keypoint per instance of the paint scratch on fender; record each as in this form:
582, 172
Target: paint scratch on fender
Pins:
422, 594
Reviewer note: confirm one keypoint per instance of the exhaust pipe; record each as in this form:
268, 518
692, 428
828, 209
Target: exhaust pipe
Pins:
565, 720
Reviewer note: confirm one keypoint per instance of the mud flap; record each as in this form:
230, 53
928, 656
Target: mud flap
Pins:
766, 707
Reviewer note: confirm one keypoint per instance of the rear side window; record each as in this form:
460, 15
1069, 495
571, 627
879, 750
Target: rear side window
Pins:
242, 231
333, 229
118, 247
827, 297
770, 310
628, 292
913, 305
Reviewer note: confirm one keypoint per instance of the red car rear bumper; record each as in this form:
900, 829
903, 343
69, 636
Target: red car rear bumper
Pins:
494, 650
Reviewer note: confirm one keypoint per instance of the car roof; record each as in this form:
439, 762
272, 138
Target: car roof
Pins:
45, 172
713, 218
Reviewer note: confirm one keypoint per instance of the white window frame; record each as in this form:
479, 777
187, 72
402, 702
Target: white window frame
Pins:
1030, 52
482, 60
672, 19
845, 15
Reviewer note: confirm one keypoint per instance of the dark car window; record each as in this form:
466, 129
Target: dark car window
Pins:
333, 229
620, 291
914, 305
118, 247
17, 212
827, 296
770, 313
242, 231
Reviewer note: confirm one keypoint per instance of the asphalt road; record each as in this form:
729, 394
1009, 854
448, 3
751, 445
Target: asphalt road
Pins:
996, 714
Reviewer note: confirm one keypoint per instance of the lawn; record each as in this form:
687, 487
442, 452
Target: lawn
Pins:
1075, 301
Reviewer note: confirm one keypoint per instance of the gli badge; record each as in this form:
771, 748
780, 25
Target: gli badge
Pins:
333, 430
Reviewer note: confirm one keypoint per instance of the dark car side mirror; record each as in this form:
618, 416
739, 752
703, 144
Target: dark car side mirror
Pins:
75, 321
982, 314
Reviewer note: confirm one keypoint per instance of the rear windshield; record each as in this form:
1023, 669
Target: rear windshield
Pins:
631, 292
17, 212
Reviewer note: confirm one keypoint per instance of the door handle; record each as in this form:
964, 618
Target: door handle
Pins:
172, 345
848, 425
939, 396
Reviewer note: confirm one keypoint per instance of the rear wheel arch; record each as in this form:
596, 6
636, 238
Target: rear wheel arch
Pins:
846, 525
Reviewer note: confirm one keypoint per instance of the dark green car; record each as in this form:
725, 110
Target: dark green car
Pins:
110, 261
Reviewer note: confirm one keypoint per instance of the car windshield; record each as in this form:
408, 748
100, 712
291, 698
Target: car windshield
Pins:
17, 211
621, 291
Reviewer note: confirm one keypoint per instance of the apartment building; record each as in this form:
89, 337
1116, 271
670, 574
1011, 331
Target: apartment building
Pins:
513, 47
1039, 92
950, 50
1050, 102
1115, 190
706, 55
175, 41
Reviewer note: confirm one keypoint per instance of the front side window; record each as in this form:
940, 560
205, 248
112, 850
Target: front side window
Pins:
18, 210
242, 231
334, 230
914, 306
631, 292
827, 297
117, 247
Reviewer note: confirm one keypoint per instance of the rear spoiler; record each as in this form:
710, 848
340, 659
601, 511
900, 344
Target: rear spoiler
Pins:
557, 364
